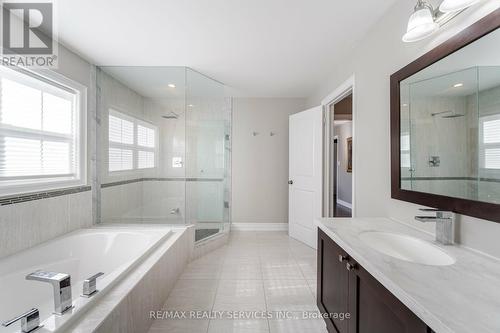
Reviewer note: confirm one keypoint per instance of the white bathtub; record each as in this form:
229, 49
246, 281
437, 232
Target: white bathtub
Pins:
82, 253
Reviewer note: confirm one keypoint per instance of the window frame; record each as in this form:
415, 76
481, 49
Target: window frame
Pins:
134, 147
483, 146
41, 183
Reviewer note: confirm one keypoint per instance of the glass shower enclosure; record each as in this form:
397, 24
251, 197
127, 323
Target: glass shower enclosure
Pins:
164, 148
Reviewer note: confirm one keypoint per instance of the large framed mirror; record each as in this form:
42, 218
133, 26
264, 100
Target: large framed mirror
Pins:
445, 124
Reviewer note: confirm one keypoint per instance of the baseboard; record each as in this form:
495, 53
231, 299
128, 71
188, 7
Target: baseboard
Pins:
343, 203
259, 226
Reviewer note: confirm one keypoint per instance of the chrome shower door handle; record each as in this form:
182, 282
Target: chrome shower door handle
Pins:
90, 285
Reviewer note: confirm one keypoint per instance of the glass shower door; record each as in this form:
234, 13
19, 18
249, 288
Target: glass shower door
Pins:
207, 147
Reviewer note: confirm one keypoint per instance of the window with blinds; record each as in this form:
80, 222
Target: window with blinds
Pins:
40, 122
132, 143
405, 150
490, 142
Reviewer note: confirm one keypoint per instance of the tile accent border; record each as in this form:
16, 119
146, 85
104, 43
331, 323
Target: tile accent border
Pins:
481, 179
137, 180
10, 200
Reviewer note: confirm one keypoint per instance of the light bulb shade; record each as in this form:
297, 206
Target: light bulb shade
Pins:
420, 25
448, 6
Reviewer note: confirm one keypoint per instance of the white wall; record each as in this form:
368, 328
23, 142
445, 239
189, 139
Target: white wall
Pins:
378, 55
344, 178
260, 163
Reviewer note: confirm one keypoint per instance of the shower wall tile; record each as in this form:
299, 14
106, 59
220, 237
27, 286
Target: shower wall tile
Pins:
122, 202
27, 224
161, 199
80, 210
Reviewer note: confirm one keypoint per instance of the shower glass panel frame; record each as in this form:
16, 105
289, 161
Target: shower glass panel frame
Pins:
178, 120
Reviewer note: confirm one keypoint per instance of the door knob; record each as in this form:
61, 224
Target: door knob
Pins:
290, 182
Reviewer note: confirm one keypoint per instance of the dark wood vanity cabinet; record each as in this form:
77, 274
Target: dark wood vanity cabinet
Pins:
346, 287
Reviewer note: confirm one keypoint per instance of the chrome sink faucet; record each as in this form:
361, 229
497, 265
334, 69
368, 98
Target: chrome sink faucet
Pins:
61, 282
445, 225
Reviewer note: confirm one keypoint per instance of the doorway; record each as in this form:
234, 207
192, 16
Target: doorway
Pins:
339, 161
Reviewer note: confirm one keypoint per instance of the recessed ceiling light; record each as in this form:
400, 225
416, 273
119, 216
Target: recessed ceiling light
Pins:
458, 85
171, 85
405, 105
191, 105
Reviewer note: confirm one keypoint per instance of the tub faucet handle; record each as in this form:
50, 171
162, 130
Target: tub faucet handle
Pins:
30, 321
90, 285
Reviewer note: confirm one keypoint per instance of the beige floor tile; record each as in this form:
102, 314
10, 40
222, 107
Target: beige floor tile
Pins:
240, 295
309, 270
297, 326
179, 326
201, 271
313, 286
238, 326
281, 270
255, 271
289, 295
241, 270
238, 259
192, 295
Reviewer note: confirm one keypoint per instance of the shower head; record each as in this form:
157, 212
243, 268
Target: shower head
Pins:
455, 115
447, 114
171, 115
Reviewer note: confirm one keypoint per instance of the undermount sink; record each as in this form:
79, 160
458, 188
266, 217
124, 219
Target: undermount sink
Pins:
406, 248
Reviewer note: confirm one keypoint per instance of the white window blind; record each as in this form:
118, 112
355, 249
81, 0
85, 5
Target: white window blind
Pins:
405, 150
146, 159
132, 143
145, 136
490, 142
39, 133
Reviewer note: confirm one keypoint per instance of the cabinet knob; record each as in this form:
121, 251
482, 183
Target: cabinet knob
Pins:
290, 182
350, 266
342, 258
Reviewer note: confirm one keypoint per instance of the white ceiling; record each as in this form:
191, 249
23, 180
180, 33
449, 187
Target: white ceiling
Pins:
260, 48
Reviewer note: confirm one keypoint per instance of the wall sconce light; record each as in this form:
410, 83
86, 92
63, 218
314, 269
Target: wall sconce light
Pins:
421, 23
448, 6
426, 20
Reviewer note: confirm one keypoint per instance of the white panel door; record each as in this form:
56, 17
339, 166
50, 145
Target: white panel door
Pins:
305, 198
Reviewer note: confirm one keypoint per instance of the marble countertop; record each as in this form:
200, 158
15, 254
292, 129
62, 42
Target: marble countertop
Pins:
463, 297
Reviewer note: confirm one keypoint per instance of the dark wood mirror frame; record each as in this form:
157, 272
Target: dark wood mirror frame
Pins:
468, 207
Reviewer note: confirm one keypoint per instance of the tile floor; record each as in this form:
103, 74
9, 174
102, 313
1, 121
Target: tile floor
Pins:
258, 273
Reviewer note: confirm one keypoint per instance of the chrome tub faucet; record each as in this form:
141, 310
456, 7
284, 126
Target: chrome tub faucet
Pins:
445, 224
61, 282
